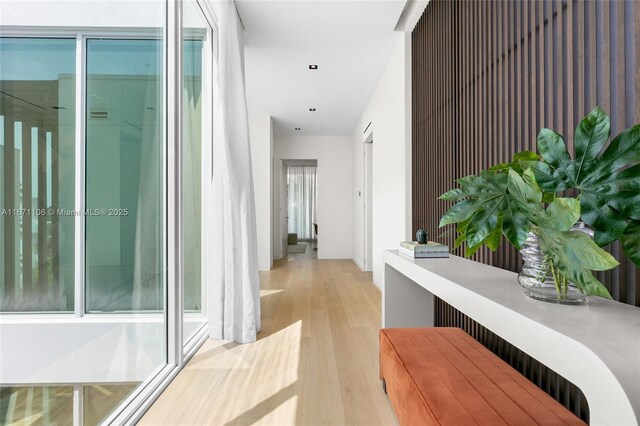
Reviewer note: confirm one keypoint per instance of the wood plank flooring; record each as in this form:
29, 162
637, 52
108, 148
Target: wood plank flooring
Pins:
315, 362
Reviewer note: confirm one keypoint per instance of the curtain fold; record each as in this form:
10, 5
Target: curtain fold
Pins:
231, 274
301, 182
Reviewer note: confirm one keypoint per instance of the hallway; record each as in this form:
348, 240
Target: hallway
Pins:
315, 361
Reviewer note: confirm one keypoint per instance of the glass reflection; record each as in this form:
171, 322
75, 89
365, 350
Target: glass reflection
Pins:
124, 176
39, 405
37, 165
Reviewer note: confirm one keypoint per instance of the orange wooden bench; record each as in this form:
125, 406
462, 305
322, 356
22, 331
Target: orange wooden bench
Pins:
442, 376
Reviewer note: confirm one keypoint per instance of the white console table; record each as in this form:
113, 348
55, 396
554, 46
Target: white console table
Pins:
597, 346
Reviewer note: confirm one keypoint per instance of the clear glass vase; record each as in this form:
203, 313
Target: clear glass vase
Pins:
537, 278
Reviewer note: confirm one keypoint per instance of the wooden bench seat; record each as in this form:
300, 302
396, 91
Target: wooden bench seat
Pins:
442, 376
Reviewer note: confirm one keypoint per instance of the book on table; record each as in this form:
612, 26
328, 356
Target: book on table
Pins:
423, 251
429, 247
437, 254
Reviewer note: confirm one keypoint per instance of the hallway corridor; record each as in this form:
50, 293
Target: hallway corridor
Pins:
315, 361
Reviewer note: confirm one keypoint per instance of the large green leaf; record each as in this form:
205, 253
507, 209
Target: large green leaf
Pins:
470, 251
597, 213
478, 213
482, 224
516, 164
515, 225
493, 240
455, 194
576, 255
553, 150
561, 214
492, 205
631, 241
545, 176
582, 251
459, 212
623, 149
525, 191
628, 204
609, 184
591, 135
461, 229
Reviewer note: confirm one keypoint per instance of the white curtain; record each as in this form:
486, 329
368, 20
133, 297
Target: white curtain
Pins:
231, 274
301, 182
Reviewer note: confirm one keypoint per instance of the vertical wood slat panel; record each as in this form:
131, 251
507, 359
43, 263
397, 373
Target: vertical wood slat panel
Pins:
486, 77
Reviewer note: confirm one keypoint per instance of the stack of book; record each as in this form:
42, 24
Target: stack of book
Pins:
429, 250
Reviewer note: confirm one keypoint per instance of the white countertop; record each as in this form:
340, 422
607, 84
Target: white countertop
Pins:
595, 346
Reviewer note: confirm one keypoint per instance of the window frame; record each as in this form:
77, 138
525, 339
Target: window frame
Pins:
178, 352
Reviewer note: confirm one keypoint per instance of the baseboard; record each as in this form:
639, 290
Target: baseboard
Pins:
359, 265
335, 257
379, 285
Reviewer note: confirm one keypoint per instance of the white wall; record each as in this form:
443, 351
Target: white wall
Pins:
389, 112
358, 195
334, 208
279, 209
261, 136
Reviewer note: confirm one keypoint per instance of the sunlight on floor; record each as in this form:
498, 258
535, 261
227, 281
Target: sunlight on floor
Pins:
275, 373
269, 292
260, 379
315, 361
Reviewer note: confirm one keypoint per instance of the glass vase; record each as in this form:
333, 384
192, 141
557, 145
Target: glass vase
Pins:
540, 281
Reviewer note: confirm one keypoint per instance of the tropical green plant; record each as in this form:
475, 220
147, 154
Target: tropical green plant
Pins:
513, 199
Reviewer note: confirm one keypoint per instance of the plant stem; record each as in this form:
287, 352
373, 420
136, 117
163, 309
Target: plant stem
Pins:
556, 279
561, 282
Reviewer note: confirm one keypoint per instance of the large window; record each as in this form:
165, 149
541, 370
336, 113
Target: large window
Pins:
88, 320
83, 214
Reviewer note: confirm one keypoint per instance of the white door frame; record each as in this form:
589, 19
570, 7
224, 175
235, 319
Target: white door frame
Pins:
367, 201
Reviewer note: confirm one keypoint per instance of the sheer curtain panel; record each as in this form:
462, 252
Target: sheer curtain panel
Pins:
302, 200
233, 288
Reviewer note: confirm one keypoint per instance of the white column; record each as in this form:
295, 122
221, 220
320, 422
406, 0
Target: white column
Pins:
261, 135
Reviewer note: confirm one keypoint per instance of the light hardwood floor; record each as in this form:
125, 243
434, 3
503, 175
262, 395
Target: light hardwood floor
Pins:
315, 361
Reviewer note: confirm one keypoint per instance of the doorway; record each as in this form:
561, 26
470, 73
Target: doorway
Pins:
301, 206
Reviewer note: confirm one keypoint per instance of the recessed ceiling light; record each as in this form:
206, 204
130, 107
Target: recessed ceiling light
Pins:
312, 109
313, 67
297, 128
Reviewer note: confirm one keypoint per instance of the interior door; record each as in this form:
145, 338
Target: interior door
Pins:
367, 201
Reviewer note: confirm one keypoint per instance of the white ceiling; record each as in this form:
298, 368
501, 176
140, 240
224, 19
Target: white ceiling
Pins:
350, 41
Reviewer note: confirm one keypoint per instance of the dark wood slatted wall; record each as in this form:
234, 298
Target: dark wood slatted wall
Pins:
488, 75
